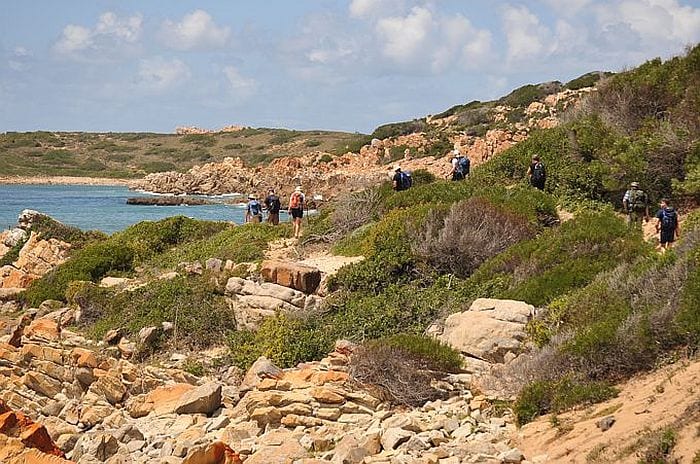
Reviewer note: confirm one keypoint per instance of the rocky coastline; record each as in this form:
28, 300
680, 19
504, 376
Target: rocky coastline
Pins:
65, 180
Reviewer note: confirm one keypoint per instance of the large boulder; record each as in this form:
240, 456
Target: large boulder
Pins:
303, 278
489, 329
202, 400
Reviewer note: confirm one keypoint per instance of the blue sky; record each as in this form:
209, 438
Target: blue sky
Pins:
125, 65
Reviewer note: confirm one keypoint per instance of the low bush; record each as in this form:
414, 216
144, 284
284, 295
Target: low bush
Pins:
286, 341
561, 259
158, 166
245, 243
430, 352
194, 304
203, 140
393, 373
400, 128
554, 396
473, 231
12, 254
119, 253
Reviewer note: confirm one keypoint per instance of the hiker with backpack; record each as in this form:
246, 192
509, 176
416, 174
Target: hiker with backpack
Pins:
460, 166
401, 180
636, 204
272, 203
253, 210
667, 225
537, 173
296, 209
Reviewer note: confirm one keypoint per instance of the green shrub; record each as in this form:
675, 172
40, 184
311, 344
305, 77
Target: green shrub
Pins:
399, 128
523, 96
542, 397
325, 158
194, 304
119, 253
353, 145
13, 253
245, 243
312, 143
562, 259
431, 353
284, 340
587, 80
282, 136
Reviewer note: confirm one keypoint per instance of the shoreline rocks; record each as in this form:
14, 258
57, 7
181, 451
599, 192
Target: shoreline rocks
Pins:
168, 201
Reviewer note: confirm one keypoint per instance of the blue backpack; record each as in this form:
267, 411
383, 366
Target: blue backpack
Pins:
254, 207
463, 165
406, 180
669, 219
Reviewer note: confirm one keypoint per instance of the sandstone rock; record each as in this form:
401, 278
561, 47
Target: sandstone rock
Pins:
42, 383
213, 264
202, 400
148, 335
112, 336
605, 423
393, 437
111, 388
162, 400
489, 330
288, 451
261, 369
299, 277
215, 453
126, 348
111, 282
43, 330
99, 447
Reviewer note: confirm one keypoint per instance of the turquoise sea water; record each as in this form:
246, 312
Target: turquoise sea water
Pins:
99, 207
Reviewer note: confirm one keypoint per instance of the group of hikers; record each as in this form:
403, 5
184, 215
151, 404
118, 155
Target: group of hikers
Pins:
635, 201
272, 205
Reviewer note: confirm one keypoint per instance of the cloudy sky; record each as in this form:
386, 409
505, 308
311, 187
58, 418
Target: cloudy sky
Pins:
127, 65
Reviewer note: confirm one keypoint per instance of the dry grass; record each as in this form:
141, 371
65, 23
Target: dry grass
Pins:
473, 231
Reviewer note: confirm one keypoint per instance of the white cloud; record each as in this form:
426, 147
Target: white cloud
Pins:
240, 85
441, 41
370, 8
109, 34
568, 7
527, 38
197, 30
654, 21
404, 36
160, 75
19, 58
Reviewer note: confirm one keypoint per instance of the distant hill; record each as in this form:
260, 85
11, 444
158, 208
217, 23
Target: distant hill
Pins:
129, 155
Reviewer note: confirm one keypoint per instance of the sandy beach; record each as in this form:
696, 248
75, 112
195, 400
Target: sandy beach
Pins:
63, 180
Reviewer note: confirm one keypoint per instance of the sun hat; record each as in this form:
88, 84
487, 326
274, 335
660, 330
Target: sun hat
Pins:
634, 184
251, 196
298, 188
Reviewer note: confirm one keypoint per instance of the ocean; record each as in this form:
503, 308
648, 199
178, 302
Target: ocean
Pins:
101, 207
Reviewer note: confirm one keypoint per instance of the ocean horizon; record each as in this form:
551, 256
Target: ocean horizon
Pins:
100, 207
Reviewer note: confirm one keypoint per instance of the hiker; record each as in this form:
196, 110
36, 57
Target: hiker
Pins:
253, 210
636, 205
667, 225
537, 173
460, 166
296, 209
272, 203
401, 180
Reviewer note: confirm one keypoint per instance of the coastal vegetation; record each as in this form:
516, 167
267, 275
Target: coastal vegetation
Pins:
608, 305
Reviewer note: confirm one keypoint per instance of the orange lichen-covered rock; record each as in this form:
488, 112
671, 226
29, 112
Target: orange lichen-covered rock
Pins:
17, 426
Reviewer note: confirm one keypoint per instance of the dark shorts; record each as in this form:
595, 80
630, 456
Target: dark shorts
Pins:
297, 213
273, 218
538, 184
256, 218
668, 236
457, 176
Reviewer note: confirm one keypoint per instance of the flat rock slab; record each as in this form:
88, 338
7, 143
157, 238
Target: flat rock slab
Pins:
202, 400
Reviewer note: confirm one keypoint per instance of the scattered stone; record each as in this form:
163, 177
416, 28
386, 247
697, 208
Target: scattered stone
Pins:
202, 400
605, 423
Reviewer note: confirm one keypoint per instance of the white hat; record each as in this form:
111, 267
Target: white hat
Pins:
455, 151
298, 188
251, 196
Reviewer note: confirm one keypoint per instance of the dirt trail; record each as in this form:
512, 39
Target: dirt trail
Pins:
669, 397
286, 249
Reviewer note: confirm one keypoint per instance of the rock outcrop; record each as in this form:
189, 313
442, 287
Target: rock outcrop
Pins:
491, 330
95, 407
36, 257
293, 275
